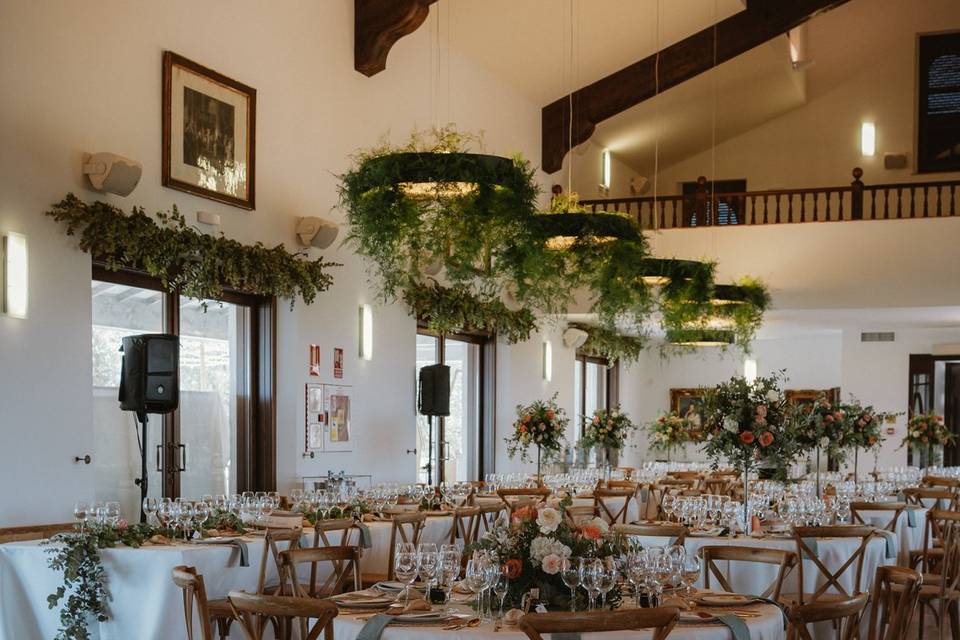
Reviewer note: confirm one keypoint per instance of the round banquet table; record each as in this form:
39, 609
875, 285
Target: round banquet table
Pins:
767, 626
145, 603
909, 529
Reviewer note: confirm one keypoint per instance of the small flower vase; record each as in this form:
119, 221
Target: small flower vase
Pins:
613, 457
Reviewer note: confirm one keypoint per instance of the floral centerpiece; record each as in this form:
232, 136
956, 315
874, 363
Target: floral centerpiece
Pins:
867, 430
532, 544
748, 424
608, 430
924, 432
541, 424
826, 426
671, 430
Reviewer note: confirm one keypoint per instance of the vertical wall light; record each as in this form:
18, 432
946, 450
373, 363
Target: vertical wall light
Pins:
547, 361
868, 138
15, 275
750, 370
605, 169
366, 332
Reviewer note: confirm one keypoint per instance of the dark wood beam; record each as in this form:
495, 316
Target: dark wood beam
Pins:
378, 24
761, 21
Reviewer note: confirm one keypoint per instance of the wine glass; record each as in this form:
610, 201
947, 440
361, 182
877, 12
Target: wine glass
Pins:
99, 511
607, 580
150, 506
81, 511
427, 561
689, 572
476, 580
571, 570
500, 587
201, 511
448, 572
590, 579
111, 513
405, 566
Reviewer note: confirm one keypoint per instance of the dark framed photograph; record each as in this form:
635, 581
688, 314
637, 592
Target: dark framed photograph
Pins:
209, 133
686, 402
809, 396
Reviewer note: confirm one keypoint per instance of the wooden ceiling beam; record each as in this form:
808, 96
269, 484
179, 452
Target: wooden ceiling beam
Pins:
378, 25
761, 21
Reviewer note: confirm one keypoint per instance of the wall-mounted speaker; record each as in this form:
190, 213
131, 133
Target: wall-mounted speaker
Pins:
435, 390
149, 381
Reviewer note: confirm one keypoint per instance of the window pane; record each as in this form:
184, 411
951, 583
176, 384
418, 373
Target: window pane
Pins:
461, 442
209, 388
118, 311
574, 429
427, 353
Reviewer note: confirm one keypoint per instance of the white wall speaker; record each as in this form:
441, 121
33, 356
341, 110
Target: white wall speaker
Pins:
110, 173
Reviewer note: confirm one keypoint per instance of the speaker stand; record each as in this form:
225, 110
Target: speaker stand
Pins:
429, 465
142, 481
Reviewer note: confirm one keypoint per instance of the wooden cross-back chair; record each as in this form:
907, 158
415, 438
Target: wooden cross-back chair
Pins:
620, 484
252, 610
659, 620
711, 554
344, 571
807, 536
940, 591
845, 614
655, 497
208, 611
404, 527
576, 514
943, 499
465, 525
892, 512
683, 474
688, 483
929, 557
896, 591
604, 501
272, 540
335, 533
487, 517
716, 486
513, 499
677, 533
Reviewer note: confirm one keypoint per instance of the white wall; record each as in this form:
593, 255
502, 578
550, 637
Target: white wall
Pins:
81, 77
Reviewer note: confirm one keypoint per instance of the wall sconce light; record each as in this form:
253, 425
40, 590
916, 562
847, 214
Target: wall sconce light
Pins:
14, 267
868, 138
750, 370
366, 332
547, 361
605, 169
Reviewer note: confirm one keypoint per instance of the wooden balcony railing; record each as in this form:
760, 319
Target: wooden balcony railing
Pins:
858, 201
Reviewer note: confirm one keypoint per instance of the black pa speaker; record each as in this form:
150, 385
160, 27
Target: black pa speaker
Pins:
149, 376
435, 390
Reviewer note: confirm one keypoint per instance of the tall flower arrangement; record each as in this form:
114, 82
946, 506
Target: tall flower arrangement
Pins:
924, 432
745, 423
827, 426
608, 429
532, 544
540, 424
671, 430
867, 428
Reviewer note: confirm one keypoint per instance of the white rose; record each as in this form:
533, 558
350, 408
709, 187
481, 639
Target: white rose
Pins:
599, 523
824, 442
773, 395
730, 424
548, 519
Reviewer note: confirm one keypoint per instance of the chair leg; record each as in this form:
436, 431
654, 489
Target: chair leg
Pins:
954, 608
223, 627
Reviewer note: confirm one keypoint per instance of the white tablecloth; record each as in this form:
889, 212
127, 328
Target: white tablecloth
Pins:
909, 538
767, 627
146, 604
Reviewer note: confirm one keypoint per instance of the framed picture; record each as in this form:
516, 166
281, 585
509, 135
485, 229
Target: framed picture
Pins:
327, 426
809, 396
686, 403
209, 133
314, 369
338, 362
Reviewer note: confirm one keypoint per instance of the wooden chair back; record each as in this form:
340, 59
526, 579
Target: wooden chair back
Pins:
946, 524
711, 554
578, 513
892, 510
660, 621
252, 611
805, 536
622, 484
344, 575
194, 594
845, 614
689, 483
272, 540
684, 474
676, 532
513, 499
325, 529
465, 525
627, 472
896, 591
716, 486
938, 481
605, 502
487, 517
943, 499
406, 527
655, 499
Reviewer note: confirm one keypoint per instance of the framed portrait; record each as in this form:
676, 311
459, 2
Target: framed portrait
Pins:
685, 401
209, 133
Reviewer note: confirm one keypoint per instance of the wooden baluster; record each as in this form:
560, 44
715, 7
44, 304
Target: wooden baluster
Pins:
926, 204
840, 204
803, 209
856, 196
886, 203
816, 196
873, 204
953, 200
939, 206
765, 207
700, 202
777, 199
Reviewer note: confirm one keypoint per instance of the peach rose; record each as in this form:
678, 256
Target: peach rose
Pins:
766, 439
747, 437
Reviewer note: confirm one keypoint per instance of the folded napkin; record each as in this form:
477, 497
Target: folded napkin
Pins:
891, 539
737, 627
415, 604
912, 518
812, 543
373, 628
240, 545
366, 540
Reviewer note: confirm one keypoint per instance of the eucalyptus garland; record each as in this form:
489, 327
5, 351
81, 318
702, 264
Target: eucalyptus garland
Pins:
611, 344
195, 264
447, 311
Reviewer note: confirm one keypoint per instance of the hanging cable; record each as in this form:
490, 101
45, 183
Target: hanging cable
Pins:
656, 123
715, 240
571, 83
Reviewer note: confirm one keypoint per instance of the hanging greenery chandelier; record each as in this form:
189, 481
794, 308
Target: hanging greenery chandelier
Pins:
431, 206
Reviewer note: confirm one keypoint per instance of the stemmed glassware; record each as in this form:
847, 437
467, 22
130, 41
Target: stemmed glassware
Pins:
428, 559
111, 513
81, 512
500, 587
449, 570
150, 506
405, 566
476, 580
571, 570
590, 578
607, 579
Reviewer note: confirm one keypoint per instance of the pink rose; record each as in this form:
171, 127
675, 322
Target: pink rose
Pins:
551, 564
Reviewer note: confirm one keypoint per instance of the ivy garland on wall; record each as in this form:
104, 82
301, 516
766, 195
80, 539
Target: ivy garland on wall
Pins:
430, 206
185, 260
